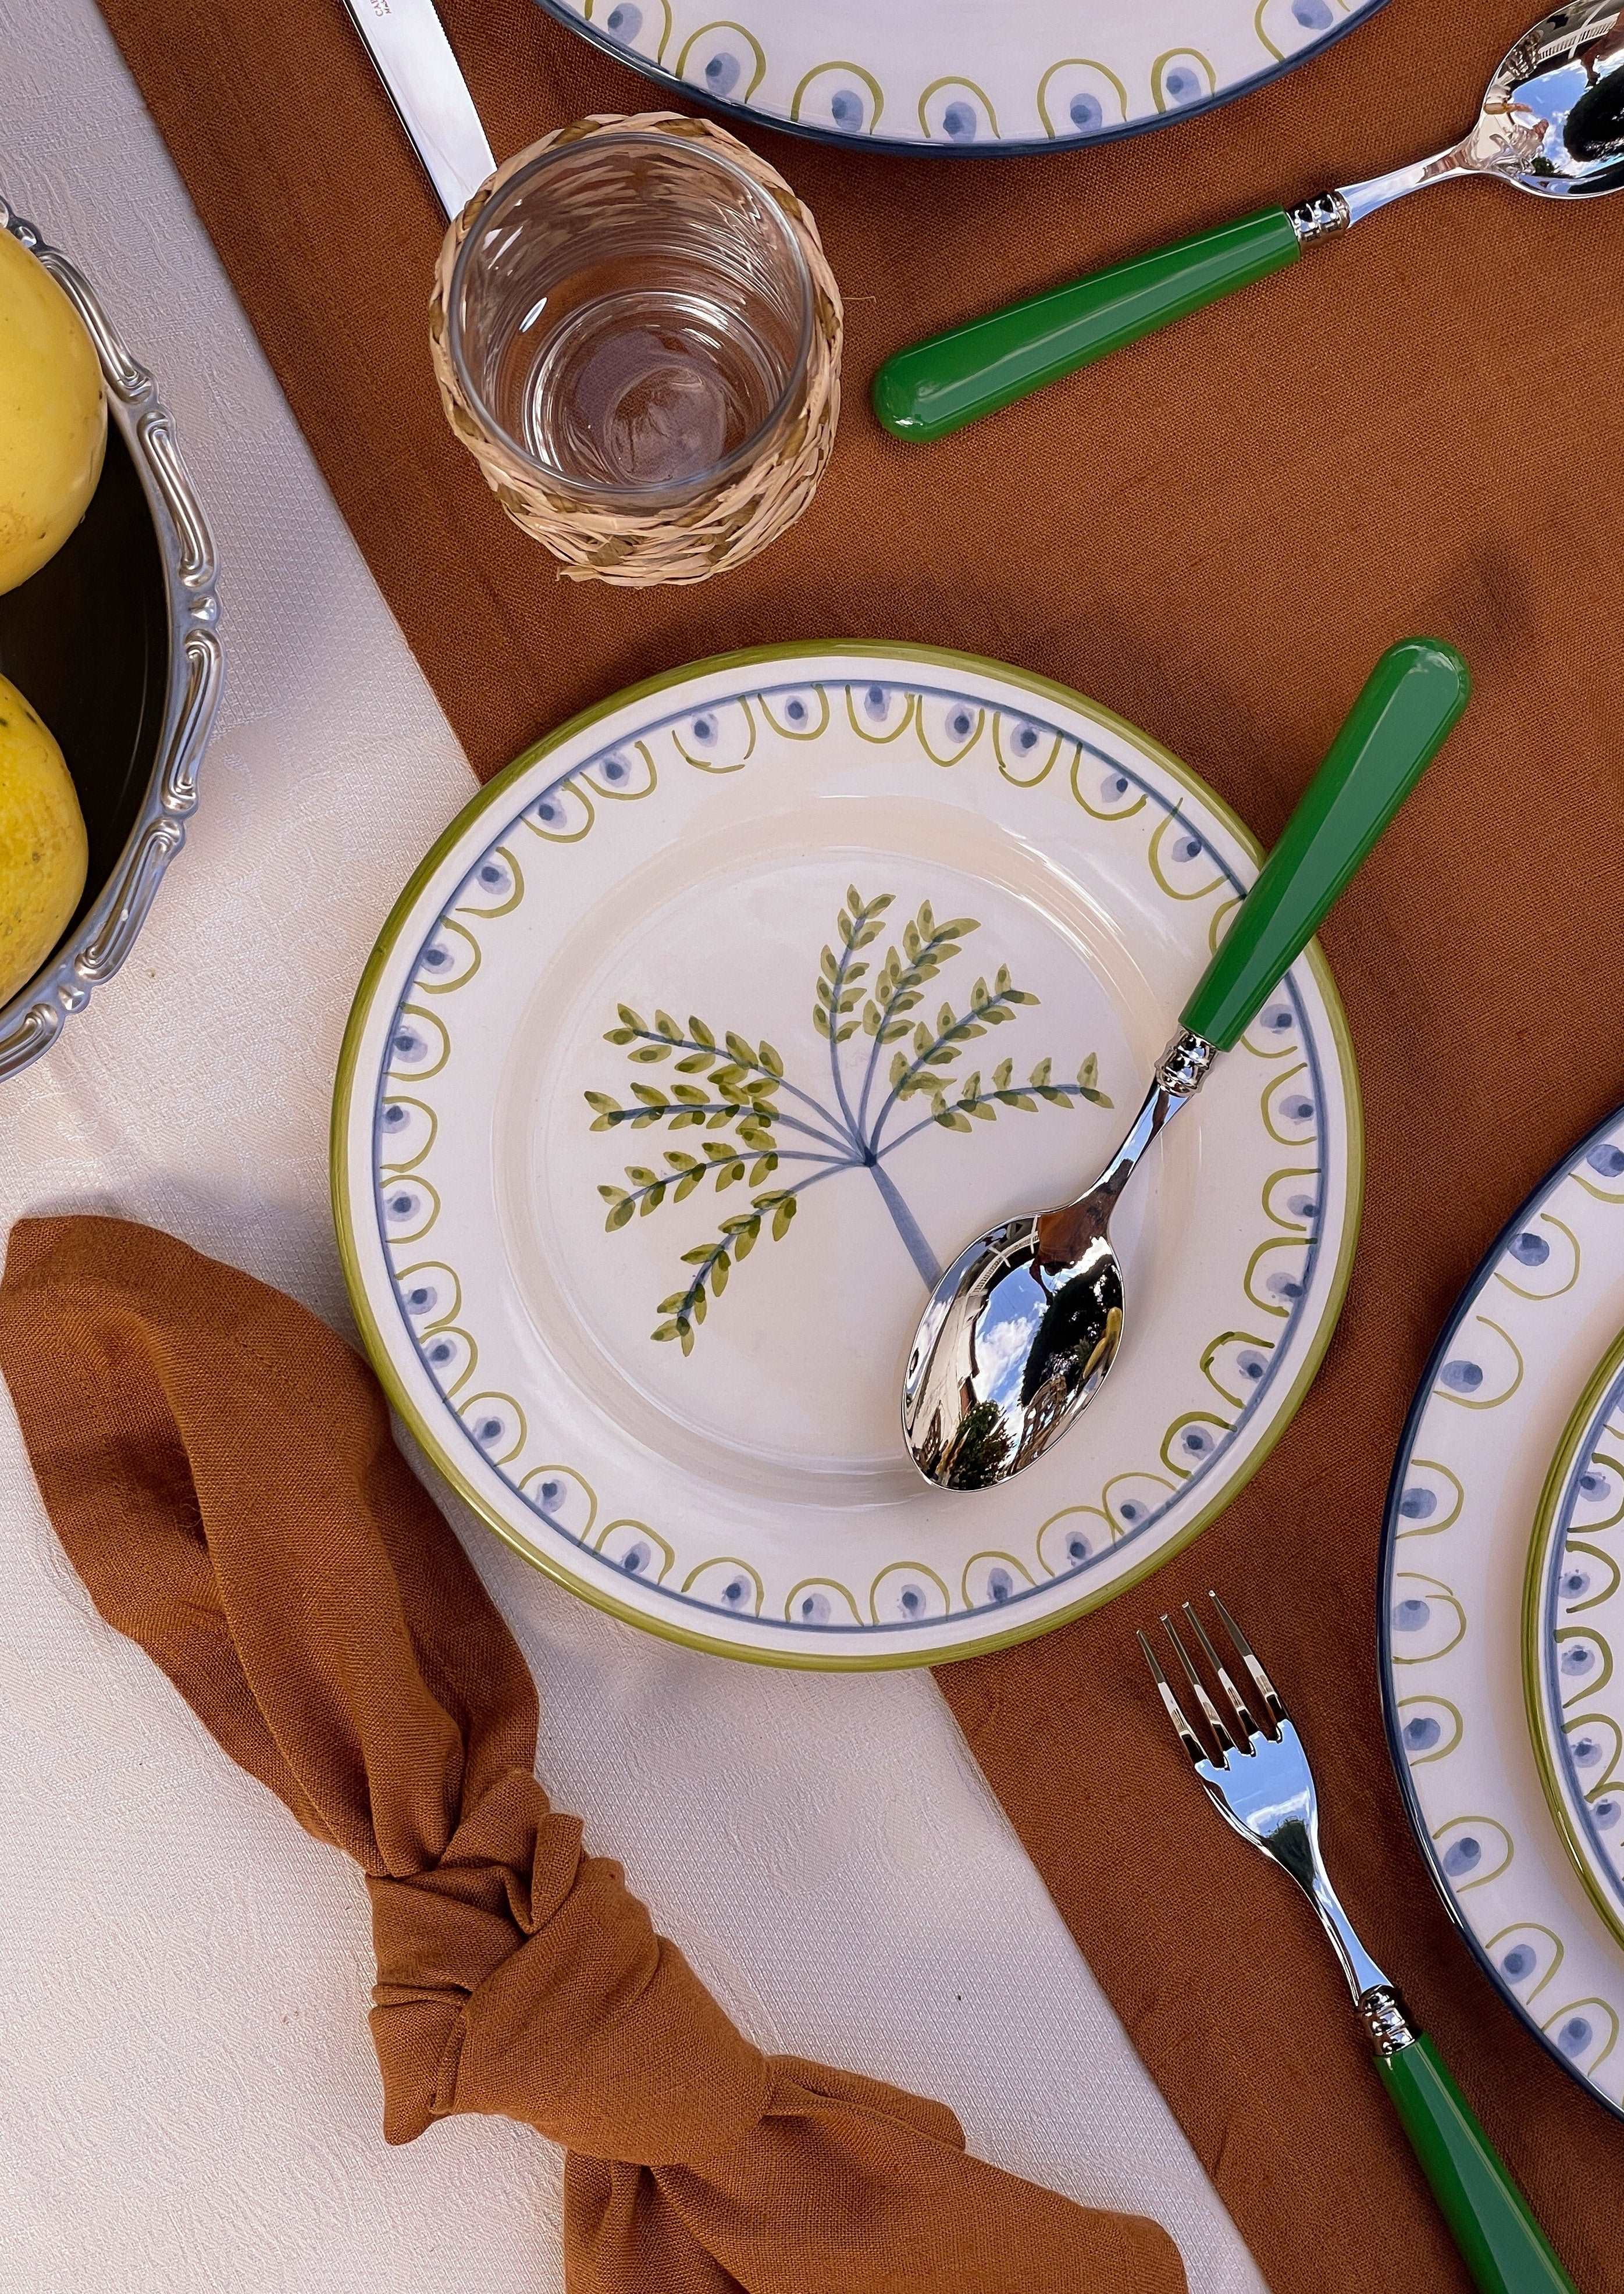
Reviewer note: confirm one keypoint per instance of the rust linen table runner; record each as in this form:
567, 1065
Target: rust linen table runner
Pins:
1214, 534
220, 1471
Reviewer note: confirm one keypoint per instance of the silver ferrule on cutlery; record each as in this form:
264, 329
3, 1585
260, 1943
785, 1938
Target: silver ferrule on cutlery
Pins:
1387, 2024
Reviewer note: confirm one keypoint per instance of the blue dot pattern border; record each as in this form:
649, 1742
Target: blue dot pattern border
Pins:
1573, 1660
996, 85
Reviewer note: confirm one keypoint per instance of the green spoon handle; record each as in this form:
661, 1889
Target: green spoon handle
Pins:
1501, 2244
1394, 731
938, 386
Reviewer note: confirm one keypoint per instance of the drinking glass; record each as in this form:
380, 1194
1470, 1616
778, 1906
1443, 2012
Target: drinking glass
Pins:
628, 321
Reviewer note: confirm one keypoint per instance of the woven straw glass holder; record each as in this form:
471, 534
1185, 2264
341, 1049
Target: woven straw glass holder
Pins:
719, 529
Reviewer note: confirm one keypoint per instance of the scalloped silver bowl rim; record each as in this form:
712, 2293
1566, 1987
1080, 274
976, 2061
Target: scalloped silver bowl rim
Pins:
98, 942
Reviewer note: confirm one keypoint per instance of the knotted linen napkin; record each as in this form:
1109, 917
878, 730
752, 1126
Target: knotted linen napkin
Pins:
220, 1469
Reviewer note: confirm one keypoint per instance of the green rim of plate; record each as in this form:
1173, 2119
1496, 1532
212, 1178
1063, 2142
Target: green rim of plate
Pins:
424, 1433
1568, 1450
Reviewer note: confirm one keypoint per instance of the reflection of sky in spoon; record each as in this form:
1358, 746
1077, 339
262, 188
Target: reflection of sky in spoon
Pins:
1008, 1325
1551, 97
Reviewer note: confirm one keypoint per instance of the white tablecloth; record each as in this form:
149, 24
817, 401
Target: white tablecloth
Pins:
188, 2096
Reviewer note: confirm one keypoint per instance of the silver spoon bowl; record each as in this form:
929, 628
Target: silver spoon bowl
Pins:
1026, 1323
1552, 123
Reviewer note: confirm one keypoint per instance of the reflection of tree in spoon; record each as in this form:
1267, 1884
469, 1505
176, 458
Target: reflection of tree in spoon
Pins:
981, 1448
1089, 1300
758, 1124
1594, 129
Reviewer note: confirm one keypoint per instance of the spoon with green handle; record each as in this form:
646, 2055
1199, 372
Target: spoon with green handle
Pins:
1021, 1330
1552, 123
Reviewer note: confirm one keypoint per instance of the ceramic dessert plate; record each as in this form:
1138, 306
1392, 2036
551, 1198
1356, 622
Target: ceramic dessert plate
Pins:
1520, 1347
1574, 1634
702, 1039
955, 76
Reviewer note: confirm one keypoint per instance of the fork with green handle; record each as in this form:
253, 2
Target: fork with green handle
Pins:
1262, 1784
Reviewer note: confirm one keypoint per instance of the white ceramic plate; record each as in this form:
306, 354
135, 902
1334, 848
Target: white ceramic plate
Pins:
960, 76
1573, 1630
667, 1366
1520, 1347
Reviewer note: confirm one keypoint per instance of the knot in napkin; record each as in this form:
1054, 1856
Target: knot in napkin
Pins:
220, 1469
518, 1975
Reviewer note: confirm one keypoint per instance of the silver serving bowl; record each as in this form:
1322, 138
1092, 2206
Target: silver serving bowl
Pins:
116, 643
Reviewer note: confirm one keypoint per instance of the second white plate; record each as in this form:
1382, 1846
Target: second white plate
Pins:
1519, 1345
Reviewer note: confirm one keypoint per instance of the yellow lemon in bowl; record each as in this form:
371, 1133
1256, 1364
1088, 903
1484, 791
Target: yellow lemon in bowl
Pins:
43, 847
52, 415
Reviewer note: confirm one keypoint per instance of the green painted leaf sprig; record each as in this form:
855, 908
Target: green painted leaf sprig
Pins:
758, 1121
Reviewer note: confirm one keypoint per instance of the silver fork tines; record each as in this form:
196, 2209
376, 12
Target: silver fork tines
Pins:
1238, 1718
1248, 1727
1175, 1711
1218, 1727
1257, 1775
1261, 1681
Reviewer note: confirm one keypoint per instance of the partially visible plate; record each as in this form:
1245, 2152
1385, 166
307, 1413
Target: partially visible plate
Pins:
1574, 1637
957, 76
639, 1250
1523, 1340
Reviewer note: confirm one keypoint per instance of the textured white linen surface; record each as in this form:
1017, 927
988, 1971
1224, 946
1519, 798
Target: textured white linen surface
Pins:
188, 2097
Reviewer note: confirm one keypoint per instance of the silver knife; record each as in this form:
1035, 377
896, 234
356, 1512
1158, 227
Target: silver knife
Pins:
407, 42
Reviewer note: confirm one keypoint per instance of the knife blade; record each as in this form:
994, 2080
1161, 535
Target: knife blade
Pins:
407, 42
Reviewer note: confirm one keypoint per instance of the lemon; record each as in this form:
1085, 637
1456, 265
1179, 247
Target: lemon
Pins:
43, 847
52, 415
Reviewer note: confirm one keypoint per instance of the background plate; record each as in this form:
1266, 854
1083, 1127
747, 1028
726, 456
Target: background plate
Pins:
1524, 1338
957, 76
639, 1249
